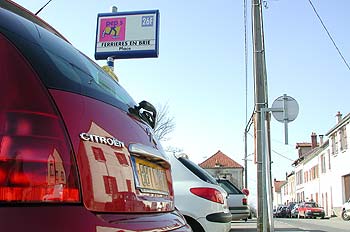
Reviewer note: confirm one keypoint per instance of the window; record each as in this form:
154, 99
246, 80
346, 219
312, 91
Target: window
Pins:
336, 143
198, 171
334, 139
329, 159
314, 172
323, 164
60, 66
299, 177
343, 138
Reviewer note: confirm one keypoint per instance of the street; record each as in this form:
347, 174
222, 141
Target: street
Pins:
289, 224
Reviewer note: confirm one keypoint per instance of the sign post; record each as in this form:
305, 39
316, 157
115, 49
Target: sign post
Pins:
284, 109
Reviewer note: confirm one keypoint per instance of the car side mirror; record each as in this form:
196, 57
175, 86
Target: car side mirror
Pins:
148, 112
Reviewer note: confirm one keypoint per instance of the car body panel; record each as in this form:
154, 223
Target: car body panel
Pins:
281, 211
235, 200
310, 209
295, 211
90, 121
290, 206
194, 206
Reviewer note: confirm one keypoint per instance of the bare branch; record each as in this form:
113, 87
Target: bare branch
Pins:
164, 123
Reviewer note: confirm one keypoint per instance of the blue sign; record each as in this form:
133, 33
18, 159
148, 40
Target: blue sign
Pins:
124, 35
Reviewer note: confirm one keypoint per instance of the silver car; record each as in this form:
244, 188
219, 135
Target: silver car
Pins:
237, 200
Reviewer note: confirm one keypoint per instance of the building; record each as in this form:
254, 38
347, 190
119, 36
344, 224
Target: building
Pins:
322, 171
220, 165
277, 196
288, 189
339, 156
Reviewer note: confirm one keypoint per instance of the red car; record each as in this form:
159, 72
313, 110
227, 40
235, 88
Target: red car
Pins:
310, 210
76, 152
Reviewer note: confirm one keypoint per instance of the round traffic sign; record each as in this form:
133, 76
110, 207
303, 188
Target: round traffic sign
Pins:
290, 106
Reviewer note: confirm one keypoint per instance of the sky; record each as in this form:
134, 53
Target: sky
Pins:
200, 72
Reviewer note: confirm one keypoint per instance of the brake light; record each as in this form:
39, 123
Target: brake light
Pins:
244, 201
36, 159
210, 194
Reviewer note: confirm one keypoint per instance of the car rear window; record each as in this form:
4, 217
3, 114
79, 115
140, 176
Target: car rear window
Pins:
229, 187
197, 170
60, 66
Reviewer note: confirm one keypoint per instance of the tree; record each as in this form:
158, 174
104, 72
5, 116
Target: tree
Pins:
165, 124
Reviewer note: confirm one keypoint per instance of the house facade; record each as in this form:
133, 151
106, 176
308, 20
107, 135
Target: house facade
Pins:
220, 165
277, 192
322, 170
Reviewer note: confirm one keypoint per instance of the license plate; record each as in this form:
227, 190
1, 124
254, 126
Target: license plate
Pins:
150, 177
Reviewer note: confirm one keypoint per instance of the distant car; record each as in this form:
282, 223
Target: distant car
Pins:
310, 210
199, 197
281, 211
294, 212
237, 200
345, 214
274, 212
290, 206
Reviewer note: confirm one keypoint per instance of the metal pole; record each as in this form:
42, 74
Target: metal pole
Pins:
260, 99
246, 130
285, 118
245, 160
110, 60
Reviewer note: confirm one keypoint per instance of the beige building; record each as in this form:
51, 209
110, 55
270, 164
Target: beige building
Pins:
220, 165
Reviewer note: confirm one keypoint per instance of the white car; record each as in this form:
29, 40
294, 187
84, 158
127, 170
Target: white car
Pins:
198, 197
237, 200
345, 215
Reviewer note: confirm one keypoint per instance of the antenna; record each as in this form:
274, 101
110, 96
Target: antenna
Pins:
42, 7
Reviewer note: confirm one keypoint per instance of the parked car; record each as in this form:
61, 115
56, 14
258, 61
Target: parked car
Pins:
199, 197
310, 210
290, 206
76, 150
274, 212
237, 201
281, 211
294, 212
345, 214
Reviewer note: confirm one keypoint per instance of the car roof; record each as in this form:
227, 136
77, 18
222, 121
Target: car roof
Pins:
21, 11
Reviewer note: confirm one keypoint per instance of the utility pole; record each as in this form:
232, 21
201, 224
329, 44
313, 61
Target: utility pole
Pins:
260, 84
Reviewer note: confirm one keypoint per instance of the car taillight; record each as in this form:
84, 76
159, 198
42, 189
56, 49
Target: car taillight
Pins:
210, 194
244, 201
36, 158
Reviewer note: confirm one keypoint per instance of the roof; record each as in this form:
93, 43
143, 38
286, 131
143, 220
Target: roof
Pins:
220, 160
277, 185
342, 122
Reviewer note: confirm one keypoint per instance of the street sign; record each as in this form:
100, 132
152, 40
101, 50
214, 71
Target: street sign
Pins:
124, 35
290, 106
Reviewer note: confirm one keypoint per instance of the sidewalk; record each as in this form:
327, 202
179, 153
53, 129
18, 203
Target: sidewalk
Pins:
321, 225
250, 226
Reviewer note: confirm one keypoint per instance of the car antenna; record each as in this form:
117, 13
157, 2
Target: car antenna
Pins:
42, 7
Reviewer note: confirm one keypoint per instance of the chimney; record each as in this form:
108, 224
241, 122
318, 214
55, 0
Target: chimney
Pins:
339, 117
321, 139
313, 140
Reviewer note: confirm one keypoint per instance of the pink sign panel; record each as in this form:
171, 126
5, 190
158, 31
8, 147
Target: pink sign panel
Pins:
112, 29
